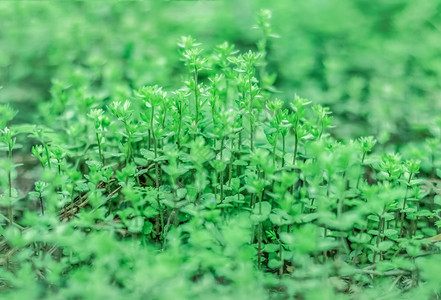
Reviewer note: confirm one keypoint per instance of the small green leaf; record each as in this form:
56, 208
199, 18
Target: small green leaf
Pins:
265, 209
135, 225
181, 193
147, 228
270, 248
149, 212
385, 245
274, 263
239, 162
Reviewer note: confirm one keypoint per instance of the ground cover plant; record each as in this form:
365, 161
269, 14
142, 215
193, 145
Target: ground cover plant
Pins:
217, 186
360, 58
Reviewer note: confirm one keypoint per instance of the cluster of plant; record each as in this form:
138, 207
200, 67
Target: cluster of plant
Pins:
359, 58
216, 189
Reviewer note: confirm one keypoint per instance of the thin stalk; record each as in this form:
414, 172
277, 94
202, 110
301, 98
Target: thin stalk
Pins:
383, 226
196, 94
226, 91
325, 252
179, 130
280, 258
358, 250
164, 117
41, 203
311, 204
46, 150
215, 184
152, 136
414, 227
239, 146
359, 176
260, 233
340, 206
251, 118
283, 150
296, 145
404, 206
98, 138
213, 110
380, 226
321, 129
10, 212
222, 172
59, 166
252, 201
274, 154
155, 146
129, 143
378, 240
157, 187
230, 167
263, 65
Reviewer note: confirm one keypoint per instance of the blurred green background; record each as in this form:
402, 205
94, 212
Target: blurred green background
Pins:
376, 64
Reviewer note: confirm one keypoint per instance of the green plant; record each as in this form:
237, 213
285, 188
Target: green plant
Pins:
213, 186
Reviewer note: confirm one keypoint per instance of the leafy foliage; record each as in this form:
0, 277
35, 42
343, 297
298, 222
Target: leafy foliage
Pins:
212, 186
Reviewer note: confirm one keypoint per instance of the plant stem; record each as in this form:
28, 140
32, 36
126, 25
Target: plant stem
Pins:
155, 145
380, 226
179, 130
358, 249
251, 118
230, 167
129, 143
10, 211
196, 94
239, 146
164, 116
263, 65
296, 144
359, 176
280, 258
59, 166
47, 155
222, 172
41, 204
98, 138
260, 233
322, 129
404, 206
325, 252
283, 150
226, 91
215, 178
